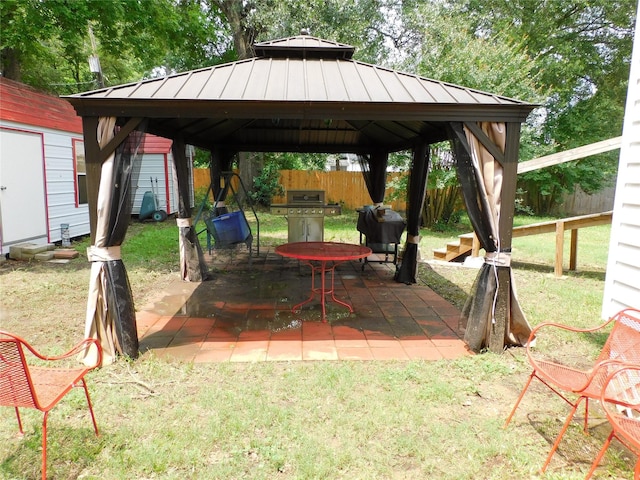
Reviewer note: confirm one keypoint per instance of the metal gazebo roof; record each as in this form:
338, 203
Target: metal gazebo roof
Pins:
299, 94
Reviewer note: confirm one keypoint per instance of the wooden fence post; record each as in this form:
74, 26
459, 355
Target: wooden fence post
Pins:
557, 270
573, 255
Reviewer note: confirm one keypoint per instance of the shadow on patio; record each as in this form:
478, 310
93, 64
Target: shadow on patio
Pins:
243, 314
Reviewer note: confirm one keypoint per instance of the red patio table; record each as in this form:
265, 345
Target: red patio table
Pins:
322, 257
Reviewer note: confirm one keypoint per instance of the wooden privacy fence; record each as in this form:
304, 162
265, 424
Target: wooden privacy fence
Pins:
345, 188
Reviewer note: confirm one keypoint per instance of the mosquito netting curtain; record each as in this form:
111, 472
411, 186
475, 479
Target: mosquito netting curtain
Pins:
374, 171
481, 181
110, 315
417, 189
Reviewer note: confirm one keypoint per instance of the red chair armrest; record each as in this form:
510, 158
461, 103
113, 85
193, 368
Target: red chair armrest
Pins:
75, 350
537, 328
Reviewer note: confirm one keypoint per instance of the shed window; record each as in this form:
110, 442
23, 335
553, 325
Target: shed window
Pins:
80, 168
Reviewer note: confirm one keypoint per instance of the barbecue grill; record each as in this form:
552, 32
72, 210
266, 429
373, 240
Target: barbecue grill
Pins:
305, 211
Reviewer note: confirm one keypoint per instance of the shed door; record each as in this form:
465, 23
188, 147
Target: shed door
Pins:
22, 190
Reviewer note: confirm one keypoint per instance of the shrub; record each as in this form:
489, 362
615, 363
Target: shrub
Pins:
266, 185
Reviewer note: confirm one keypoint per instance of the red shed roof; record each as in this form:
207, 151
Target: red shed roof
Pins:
153, 144
23, 104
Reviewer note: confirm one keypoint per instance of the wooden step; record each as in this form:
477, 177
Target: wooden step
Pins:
456, 249
440, 254
466, 239
452, 251
453, 247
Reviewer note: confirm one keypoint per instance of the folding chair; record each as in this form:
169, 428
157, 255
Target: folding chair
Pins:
621, 346
620, 400
24, 385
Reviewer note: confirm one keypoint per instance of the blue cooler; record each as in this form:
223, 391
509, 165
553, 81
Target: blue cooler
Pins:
230, 228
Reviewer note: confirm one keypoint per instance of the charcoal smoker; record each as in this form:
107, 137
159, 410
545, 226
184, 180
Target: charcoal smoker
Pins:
305, 211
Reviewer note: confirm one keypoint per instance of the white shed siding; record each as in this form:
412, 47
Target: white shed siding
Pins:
153, 170
60, 182
58, 131
61, 190
622, 283
161, 167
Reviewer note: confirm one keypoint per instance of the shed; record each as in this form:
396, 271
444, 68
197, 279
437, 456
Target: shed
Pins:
157, 174
622, 282
305, 94
42, 169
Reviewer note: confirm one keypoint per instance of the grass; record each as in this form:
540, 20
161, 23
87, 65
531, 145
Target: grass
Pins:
317, 420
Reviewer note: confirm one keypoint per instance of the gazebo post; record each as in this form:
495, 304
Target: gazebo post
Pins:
221, 161
487, 164
192, 265
110, 316
215, 169
507, 210
416, 194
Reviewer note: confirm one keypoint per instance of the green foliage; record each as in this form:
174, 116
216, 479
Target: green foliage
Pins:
200, 38
200, 198
363, 24
579, 48
580, 52
296, 161
266, 185
542, 189
399, 161
399, 185
521, 207
46, 44
201, 158
443, 203
442, 177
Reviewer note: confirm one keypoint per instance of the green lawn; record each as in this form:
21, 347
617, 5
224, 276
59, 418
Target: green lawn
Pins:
316, 420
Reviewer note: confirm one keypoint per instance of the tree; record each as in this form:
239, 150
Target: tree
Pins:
438, 43
201, 38
259, 20
47, 44
579, 46
361, 23
582, 52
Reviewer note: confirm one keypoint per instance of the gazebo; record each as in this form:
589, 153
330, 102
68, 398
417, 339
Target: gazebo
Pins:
304, 94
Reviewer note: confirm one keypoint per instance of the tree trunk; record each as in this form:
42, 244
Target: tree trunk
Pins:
249, 167
243, 34
10, 62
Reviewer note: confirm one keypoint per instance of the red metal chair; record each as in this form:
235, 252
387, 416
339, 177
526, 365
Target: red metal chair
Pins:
620, 399
40, 387
621, 346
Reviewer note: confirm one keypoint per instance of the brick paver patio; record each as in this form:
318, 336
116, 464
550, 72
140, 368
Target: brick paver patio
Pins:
243, 314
